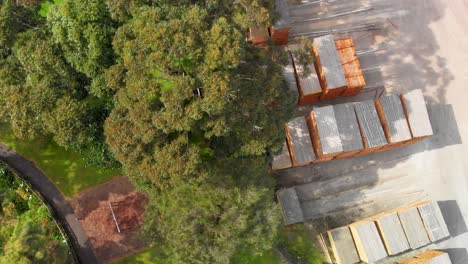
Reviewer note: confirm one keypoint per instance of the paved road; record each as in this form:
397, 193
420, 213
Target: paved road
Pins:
64, 214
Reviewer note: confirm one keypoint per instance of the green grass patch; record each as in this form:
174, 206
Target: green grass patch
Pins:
45, 7
149, 256
65, 168
269, 257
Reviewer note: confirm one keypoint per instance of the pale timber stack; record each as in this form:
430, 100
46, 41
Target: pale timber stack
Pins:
393, 119
283, 159
368, 241
329, 69
343, 246
393, 235
299, 142
324, 132
348, 128
428, 257
289, 201
414, 227
308, 86
371, 129
433, 221
417, 115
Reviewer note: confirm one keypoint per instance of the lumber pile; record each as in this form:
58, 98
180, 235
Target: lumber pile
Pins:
389, 233
343, 246
329, 69
280, 28
308, 86
324, 132
299, 142
289, 201
283, 159
258, 35
354, 129
289, 75
352, 68
428, 257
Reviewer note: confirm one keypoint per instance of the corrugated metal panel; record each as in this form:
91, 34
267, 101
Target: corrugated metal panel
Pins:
395, 117
370, 124
393, 234
441, 259
301, 141
418, 117
291, 207
282, 160
311, 83
368, 241
414, 228
328, 130
284, 19
348, 127
343, 246
434, 221
330, 61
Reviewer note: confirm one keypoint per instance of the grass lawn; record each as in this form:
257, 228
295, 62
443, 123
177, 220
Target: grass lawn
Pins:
149, 256
65, 168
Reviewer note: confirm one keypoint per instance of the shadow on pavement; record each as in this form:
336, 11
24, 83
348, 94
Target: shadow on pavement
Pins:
457, 255
453, 218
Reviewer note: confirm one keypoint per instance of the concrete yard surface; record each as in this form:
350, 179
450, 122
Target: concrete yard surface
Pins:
417, 44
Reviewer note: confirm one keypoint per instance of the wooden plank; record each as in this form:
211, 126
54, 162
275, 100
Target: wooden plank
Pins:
433, 221
393, 119
309, 86
392, 233
283, 159
370, 126
299, 142
290, 204
343, 246
428, 257
348, 128
368, 242
416, 113
344, 43
327, 132
414, 228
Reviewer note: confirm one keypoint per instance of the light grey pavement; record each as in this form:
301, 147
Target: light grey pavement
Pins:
421, 45
63, 212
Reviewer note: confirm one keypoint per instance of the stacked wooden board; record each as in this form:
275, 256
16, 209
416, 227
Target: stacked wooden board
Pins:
329, 69
390, 233
258, 35
428, 257
280, 28
354, 129
283, 159
292, 211
352, 68
308, 86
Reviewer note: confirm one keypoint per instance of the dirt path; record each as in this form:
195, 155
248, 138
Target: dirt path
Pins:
63, 212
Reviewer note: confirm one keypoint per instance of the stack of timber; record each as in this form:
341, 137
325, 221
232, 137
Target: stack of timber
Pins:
351, 66
292, 211
329, 69
417, 115
308, 86
289, 75
324, 132
299, 142
258, 35
283, 159
280, 29
343, 246
393, 119
368, 241
348, 127
391, 233
354, 129
371, 129
428, 257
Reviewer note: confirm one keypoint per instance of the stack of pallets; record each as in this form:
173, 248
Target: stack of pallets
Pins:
355, 129
308, 86
390, 233
352, 68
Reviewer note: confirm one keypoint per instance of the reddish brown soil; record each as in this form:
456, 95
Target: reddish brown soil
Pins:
92, 208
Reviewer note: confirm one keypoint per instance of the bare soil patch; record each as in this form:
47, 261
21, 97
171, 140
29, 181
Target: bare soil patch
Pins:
93, 208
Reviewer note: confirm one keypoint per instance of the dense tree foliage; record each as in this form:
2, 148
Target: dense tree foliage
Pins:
27, 233
189, 109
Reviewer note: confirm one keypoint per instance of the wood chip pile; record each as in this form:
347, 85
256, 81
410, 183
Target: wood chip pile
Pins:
355, 129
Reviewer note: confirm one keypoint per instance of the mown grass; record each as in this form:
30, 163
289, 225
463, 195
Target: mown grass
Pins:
65, 168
